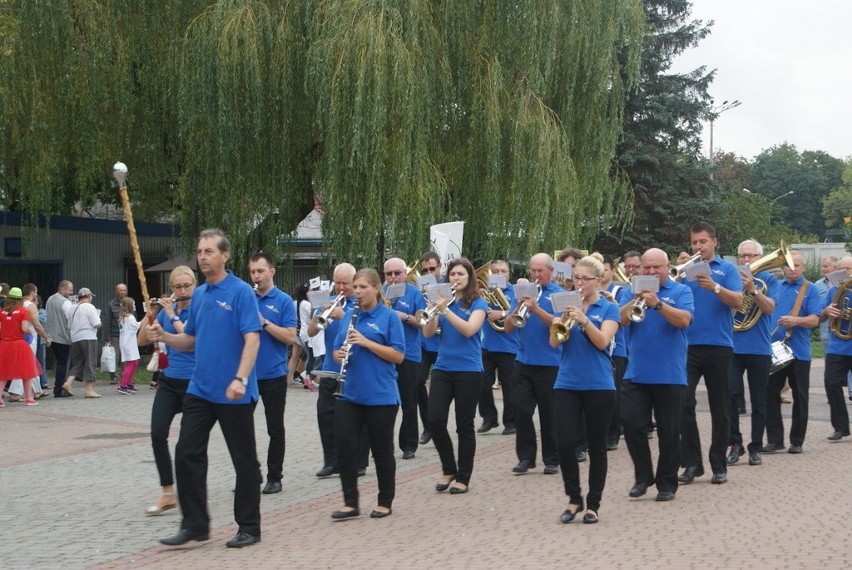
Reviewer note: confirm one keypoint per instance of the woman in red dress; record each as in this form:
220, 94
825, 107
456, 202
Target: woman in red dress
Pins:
16, 357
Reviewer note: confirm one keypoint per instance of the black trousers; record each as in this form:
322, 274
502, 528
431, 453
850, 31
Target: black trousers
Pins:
594, 409
497, 364
408, 380
273, 392
798, 375
463, 388
713, 363
533, 387
429, 359
168, 402
326, 406
665, 401
619, 366
237, 424
757, 368
349, 421
837, 367
61, 357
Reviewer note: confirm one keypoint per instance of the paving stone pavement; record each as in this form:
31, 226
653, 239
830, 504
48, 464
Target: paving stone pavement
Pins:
76, 476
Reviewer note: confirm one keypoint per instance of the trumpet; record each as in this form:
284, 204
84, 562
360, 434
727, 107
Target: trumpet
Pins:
519, 319
678, 271
324, 319
347, 346
561, 329
637, 311
423, 316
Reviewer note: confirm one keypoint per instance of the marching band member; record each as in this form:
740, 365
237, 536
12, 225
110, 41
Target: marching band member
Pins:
752, 354
375, 342
499, 349
430, 262
457, 374
797, 310
408, 371
632, 262
535, 371
710, 348
585, 389
838, 359
655, 379
278, 324
620, 295
344, 274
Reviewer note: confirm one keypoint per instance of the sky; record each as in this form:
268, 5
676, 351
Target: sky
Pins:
789, 63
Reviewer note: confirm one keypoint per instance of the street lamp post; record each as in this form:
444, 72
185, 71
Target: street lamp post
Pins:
714, 114
775, 200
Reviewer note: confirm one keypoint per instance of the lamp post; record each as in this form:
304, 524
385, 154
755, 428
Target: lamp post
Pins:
714, 114
775, 200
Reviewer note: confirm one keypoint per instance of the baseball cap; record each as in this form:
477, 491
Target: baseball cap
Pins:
85, 292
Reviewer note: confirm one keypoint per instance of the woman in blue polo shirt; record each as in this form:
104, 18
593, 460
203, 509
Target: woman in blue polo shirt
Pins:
168, 400
457, 374
370, 394
585, 389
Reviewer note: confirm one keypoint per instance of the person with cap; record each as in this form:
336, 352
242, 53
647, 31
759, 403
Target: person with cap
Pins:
16, 358
83, 322
112, 330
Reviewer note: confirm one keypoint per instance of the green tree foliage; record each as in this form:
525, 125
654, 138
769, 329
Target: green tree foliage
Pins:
810, 175
837, 206
731, 172
661, 146
746, 215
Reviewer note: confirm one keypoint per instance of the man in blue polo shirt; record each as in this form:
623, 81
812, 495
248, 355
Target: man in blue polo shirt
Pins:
797, 311
499, 350
655, 379
838, 357
223, 328
408, 371
535, 371
278, 321
710, 348
752, 354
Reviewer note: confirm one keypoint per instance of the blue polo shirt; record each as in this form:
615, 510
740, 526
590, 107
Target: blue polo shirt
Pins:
535, 349
370, 380
622, 296
713, 323
459, 353
181, 363
411, 302
836, 345
583, 365
756, 339
496, 341
276, 307
331, 332
221, 314
800, 342
658, 349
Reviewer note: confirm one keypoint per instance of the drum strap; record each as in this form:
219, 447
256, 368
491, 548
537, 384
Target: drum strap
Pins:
798, 304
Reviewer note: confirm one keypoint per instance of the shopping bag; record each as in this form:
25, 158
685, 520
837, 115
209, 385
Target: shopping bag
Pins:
108, 358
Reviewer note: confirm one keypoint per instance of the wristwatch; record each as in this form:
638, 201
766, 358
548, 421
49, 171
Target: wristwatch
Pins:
241, 379
406, 318
717, 288
175, 319
264, 325
658, 306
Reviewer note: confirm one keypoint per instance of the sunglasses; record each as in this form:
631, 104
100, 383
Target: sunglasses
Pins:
430, 269
389, 273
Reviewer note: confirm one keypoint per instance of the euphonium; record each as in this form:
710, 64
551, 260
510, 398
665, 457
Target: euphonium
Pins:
423, 316
519, 319
842, 326
411, 273
748, 314
322, 320
561, 329
678, 271
618, 273
495, 298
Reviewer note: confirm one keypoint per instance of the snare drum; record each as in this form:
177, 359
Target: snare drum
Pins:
782, 356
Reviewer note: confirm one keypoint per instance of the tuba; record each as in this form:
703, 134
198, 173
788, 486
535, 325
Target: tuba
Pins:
748, 314
495, 298
842, 326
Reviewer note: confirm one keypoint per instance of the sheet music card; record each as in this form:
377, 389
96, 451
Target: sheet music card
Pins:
319, 299
837, 277
395, 291
426, 281
526, 290
314, 283
562, 301
641, 283
693, 270
562, 270
745, 269
439, 290
497, 282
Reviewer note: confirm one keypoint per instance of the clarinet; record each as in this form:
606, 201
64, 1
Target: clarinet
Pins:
347, 346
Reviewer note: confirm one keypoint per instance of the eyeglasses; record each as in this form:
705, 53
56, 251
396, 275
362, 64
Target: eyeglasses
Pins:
632, 266
389, 273
583, 278
182, 287
430, 269
749, 255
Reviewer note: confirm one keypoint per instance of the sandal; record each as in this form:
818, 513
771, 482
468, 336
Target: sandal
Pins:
155, 511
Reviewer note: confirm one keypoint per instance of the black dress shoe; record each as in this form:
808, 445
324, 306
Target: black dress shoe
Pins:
486, 427
772, 447
690, 473
362, 472
639, 489
795, 449
581, 456
272, 487
183, 536
408, 454
242, 539
590, 517
754, 458
510, 430
569, 514
455, 490
736, 452
326, 471
719, 478
426, 437
523, 466
837, 436
345, 514
612, 445
664, 496
551, 469
381, 514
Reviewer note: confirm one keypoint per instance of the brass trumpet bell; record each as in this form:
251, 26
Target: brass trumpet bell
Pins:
748, 314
